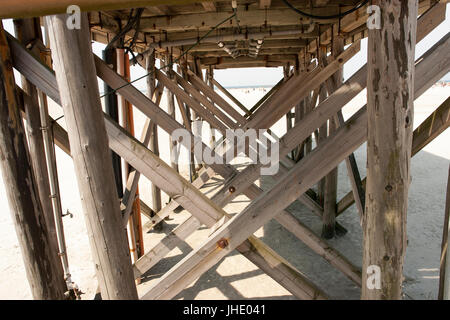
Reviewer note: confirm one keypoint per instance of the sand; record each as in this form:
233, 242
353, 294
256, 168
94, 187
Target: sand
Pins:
235, 277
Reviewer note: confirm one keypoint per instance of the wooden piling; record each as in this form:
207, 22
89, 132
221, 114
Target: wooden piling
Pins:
154, 145
26, 31
77, 82
390, 96
444, 274
42, 264
171, 111
112, 109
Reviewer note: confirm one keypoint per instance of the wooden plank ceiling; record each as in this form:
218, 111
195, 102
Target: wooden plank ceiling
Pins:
288, 37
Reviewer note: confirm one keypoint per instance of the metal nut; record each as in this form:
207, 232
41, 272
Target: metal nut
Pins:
222, 243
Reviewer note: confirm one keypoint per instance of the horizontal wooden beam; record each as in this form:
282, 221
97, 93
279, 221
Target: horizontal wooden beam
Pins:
38, 8
267, 44
356, 20
222, 61
247, 18
209, 6
270, 53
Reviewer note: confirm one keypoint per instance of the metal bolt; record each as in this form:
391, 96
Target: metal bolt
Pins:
222, 243
232, 189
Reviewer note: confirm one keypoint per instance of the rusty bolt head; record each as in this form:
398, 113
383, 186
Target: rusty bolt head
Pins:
232, 189
222, 243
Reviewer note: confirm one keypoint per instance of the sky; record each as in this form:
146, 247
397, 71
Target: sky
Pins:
241, 77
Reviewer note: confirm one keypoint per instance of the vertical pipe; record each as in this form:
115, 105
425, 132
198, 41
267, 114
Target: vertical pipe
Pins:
126, 122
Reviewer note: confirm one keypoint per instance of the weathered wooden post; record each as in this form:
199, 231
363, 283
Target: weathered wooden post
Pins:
323, 133
331, 180
444, 275
26, 31
112, 109
171, 111
154, 145
210, 78
42, 264
390, 97
77, 82
192, 116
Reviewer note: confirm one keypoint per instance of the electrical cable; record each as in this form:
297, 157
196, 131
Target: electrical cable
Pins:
335, 16
176, 60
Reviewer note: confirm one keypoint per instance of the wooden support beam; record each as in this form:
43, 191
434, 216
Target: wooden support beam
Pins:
43, 83
39, 252
390, 127
295, 89
193, 200
311, 169
111, 56
331, 179
444, 274
267, 45
264, 4
190, 89
161, 10
425, 24
195, 105
147, 137
285, 219
78, 86
37, 8
206, 20
273, 60
230, 96
153, 128
323, 112
208, 82
356, 22
260, 211
274, 265
209, 6
266, 96
428, 130
26, 31
215, 97
322, 135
